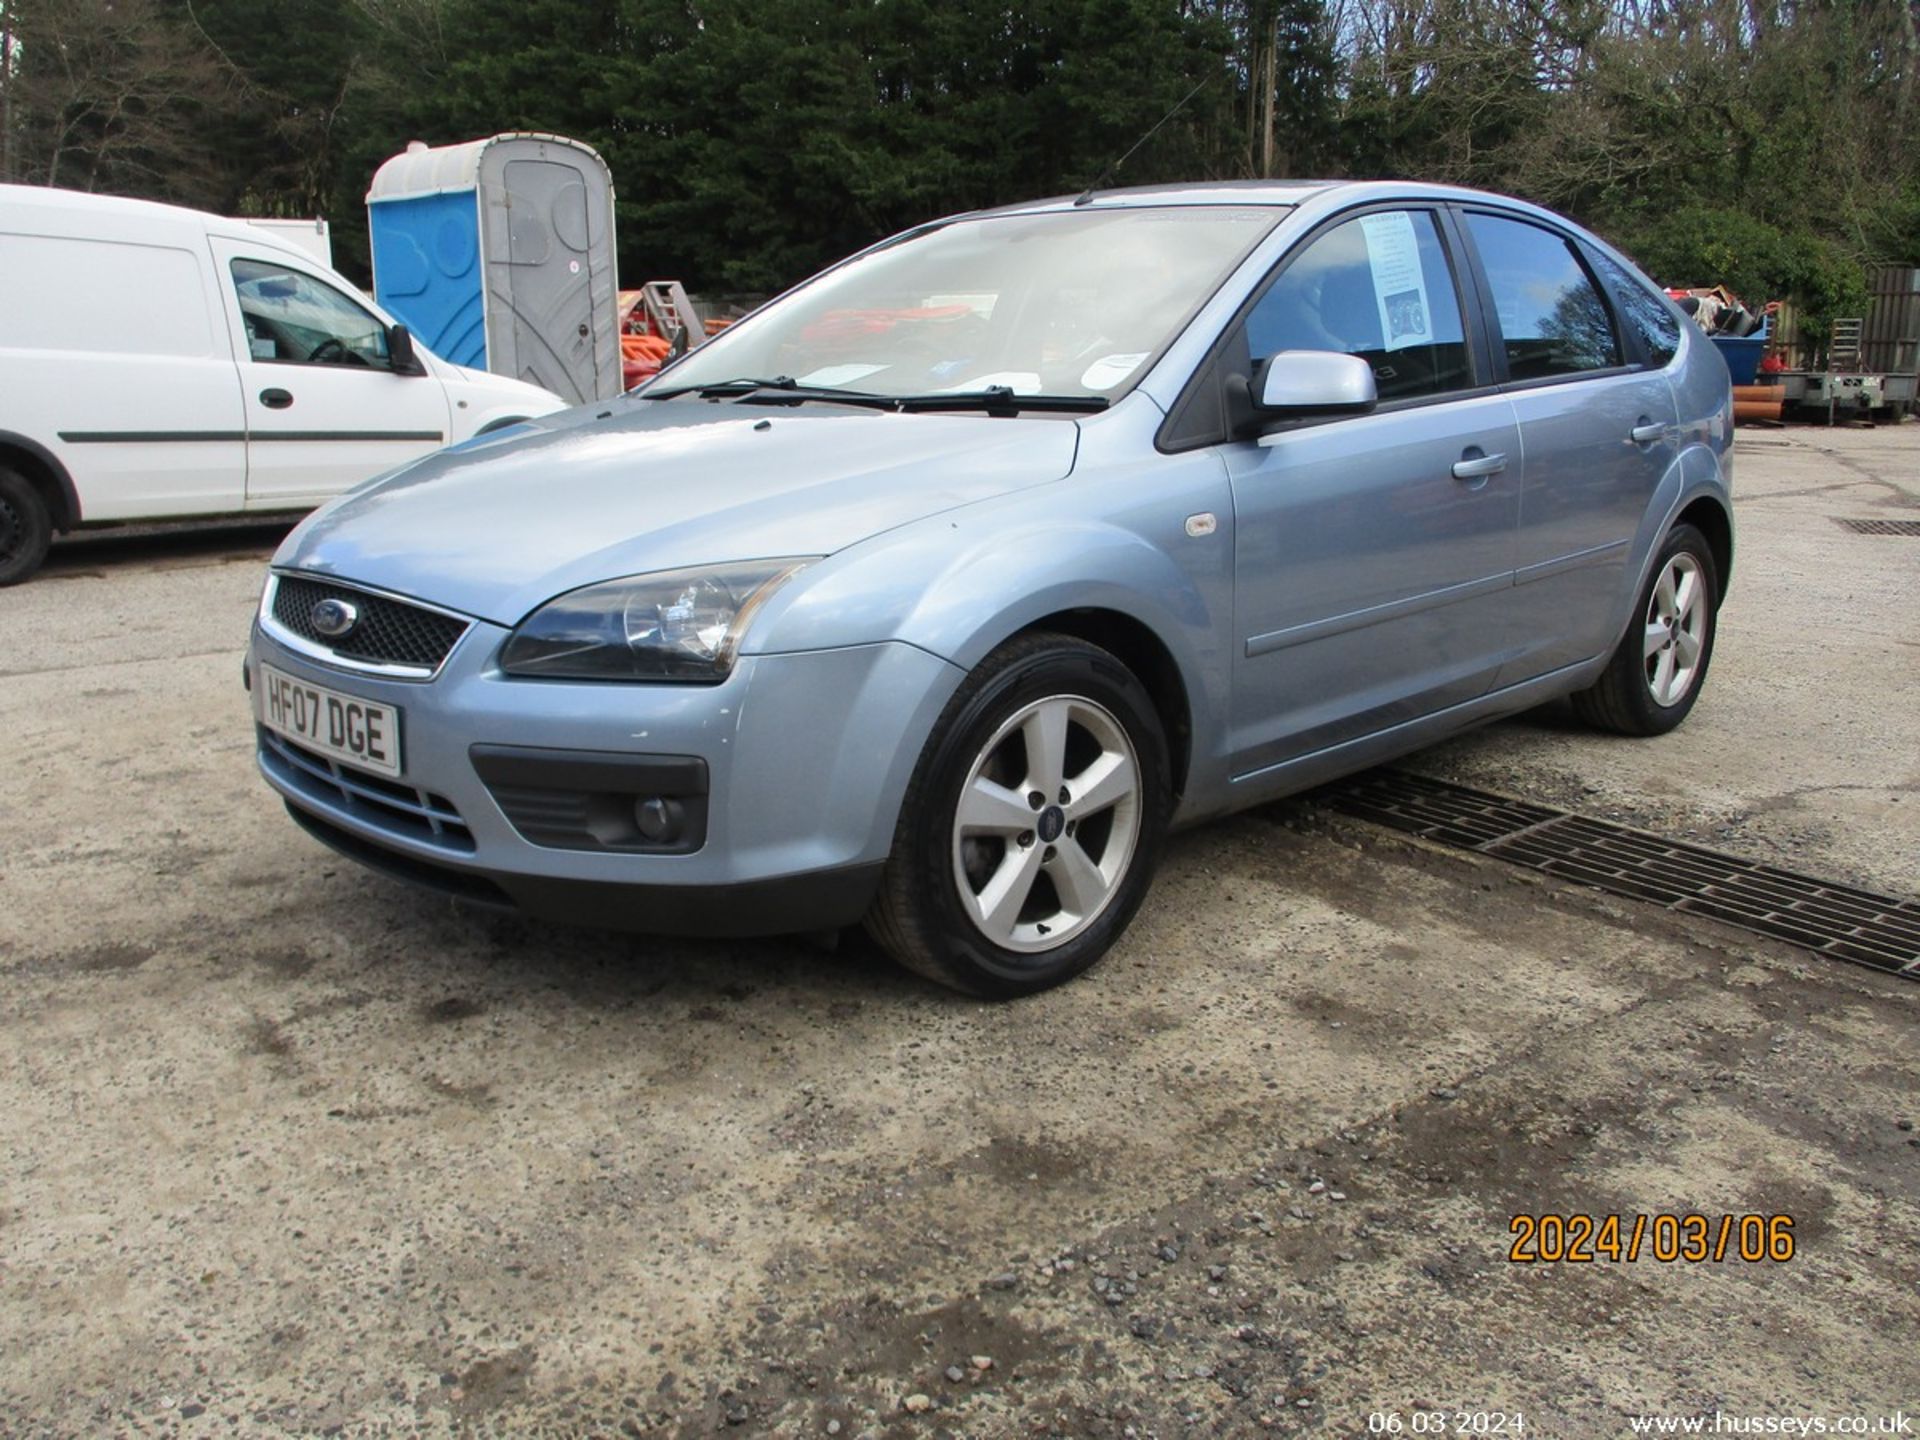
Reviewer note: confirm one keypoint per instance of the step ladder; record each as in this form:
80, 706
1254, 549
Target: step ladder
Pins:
1843, 356
670, 310
1843, 345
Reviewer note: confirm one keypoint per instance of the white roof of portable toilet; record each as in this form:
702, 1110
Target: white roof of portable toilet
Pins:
423, 169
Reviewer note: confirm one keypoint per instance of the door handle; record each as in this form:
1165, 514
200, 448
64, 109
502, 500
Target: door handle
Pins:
1646, 432
276, 398
1476, 466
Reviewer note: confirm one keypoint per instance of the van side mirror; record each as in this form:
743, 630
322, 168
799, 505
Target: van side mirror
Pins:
400, 357
1297, 384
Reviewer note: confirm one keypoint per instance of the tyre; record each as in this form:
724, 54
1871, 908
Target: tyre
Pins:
26, 530
1655, 676
1032, 825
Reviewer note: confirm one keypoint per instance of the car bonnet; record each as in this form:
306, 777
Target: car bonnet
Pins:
497, 526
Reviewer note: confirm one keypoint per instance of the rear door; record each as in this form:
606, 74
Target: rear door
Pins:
1373, 553
1597, 428
324, 407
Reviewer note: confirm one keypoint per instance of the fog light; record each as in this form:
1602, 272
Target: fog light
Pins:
659, 819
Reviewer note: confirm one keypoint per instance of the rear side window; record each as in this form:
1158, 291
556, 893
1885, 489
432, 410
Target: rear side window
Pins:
1552, 319
1649, 317
1378, 287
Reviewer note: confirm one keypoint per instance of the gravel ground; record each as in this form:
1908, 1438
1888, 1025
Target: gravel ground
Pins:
294, 1150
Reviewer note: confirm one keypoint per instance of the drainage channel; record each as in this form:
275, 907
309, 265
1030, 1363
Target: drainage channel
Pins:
1878, 931
1910, 528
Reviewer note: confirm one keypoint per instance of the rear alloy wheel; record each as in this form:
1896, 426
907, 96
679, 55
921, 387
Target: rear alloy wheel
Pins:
1032, 824
1656, 673
26, 530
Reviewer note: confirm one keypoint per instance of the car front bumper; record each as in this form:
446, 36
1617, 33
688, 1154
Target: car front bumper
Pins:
782, 784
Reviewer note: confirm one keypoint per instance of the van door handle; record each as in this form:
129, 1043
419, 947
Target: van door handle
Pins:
276, 399
1475, 465
1646, 432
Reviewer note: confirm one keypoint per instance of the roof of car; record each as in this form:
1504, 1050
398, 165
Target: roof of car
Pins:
1207, 192
1252, 192
39, 209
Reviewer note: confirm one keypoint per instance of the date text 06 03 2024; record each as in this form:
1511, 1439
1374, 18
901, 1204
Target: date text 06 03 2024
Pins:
1666, 1236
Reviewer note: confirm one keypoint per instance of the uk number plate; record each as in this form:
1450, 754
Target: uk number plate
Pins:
341, 727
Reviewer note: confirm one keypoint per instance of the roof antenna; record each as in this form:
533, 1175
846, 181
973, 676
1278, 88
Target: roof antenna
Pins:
1086, 196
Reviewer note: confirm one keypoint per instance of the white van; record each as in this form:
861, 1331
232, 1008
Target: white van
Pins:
158, 363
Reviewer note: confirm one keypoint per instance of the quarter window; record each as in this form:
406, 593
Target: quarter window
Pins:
1552, 319
1378, 287
294, 318
1650, 317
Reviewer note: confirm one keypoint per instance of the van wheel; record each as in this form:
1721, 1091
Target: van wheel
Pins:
1031, 827
26, 530
1655, 676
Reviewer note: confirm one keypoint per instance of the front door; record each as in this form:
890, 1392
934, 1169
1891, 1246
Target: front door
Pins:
324, 408
1373, 554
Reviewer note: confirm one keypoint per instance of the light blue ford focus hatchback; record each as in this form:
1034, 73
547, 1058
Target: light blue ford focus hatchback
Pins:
934, 593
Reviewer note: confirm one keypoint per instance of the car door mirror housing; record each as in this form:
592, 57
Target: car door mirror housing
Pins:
400, 355
1299, 383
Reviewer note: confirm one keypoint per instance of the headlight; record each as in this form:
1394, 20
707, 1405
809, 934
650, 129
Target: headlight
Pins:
673, 625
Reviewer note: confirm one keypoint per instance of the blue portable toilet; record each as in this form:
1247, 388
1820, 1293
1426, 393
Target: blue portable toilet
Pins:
498, 254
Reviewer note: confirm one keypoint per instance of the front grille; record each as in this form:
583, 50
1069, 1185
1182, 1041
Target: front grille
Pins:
389, 632
373, 799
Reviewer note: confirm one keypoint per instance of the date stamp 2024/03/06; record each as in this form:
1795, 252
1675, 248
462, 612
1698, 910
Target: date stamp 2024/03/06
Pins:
1692, 1238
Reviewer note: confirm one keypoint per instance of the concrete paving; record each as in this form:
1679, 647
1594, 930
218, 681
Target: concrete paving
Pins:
293, 1150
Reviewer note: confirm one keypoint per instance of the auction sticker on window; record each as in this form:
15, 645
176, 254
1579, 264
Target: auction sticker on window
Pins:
340, 727
1399, 285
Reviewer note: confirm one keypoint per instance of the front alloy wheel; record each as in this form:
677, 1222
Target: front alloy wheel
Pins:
1029, 832
1046, 824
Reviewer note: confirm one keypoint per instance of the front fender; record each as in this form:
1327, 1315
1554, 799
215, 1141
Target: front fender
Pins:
960, 584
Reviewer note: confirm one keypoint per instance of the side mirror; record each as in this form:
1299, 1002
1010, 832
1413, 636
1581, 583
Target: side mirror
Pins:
677, 344
1298, 383
400, 357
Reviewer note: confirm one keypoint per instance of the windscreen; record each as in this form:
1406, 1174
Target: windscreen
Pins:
1073, 303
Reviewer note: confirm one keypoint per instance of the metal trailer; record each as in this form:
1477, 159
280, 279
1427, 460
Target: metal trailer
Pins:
499, 255
1852, 385
1841, 394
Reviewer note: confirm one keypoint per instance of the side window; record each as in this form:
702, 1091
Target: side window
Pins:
1551, 317
1650, 316
1378, 287
295, 319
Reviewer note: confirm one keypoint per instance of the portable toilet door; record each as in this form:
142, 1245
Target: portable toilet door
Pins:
499, 254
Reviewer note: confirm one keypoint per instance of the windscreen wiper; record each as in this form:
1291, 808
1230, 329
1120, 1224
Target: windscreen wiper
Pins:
780, 390
1000, 400
785, 390
745, 384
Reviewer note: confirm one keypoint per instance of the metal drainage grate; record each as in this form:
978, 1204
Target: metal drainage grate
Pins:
1880, 527
1848, 924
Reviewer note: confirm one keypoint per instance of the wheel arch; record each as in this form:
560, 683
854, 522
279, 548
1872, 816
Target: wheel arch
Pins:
42, 469
1135, 644
1707, 515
